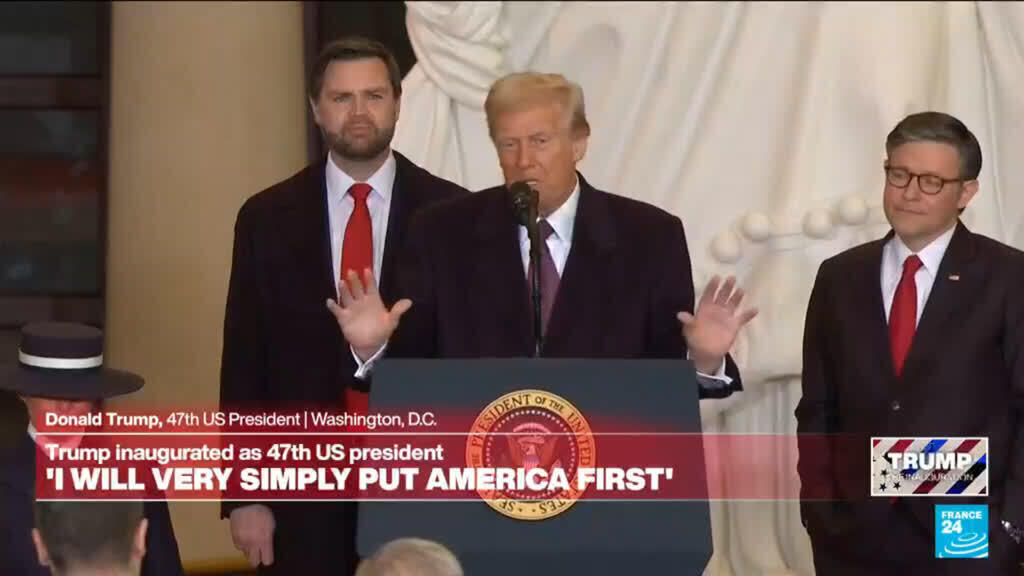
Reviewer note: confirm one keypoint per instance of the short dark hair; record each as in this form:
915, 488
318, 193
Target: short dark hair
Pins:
353, 48
939, 127
90, 533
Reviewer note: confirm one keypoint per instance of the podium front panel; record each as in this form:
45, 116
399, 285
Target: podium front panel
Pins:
592, 536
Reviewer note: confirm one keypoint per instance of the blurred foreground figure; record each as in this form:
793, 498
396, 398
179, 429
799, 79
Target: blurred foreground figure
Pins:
411, 557
60, 371
90, 538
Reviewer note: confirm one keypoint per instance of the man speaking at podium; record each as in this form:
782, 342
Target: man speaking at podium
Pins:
614, 273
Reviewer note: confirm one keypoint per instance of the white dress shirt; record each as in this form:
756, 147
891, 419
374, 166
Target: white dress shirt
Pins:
895, 252
340, 205
562, 222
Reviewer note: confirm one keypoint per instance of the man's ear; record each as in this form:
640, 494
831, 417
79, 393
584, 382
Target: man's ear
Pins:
139, 541
579, 147
967, 193
41, 552
313, 109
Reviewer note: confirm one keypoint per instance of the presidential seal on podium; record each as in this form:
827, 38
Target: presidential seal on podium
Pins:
534, 442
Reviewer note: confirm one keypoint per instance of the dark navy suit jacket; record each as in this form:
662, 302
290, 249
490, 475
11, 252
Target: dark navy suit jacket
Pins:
627, 275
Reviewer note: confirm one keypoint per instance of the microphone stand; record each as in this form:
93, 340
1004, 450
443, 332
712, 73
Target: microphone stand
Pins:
525, 202
534, 235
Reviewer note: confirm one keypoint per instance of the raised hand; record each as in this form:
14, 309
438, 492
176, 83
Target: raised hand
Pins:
364, 320
711, 331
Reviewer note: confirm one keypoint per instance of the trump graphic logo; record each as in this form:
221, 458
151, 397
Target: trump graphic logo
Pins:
929, 466
542, 441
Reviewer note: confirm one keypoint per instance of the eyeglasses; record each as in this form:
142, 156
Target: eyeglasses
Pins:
928, 183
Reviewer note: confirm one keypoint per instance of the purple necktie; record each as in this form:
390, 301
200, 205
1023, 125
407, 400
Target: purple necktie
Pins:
548, 276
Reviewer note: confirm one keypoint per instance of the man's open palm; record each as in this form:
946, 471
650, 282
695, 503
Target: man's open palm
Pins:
364, 320
712, 330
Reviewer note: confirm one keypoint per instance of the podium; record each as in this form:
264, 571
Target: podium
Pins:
592, 537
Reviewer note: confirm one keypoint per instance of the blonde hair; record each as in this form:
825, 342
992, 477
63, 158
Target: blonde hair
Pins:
516, 91
411, 557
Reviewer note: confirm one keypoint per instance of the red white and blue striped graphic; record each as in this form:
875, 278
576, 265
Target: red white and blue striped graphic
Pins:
969, 481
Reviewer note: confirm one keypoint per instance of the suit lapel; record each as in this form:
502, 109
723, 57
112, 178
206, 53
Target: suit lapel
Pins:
305, 227
308, 233
956, 281
869, 311
497, 292
577, 314
403, 201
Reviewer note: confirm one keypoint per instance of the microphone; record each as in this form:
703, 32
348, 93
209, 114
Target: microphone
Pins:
525, 203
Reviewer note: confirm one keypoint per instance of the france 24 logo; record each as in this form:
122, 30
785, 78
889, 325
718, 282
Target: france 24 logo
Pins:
961, 531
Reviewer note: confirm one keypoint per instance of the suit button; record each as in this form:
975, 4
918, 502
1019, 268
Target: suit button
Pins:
895, 405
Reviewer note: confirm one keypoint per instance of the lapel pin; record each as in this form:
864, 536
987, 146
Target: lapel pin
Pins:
954, 277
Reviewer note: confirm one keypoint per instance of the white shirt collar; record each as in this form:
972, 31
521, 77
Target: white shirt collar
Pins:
931, 255
382, 181
563, 219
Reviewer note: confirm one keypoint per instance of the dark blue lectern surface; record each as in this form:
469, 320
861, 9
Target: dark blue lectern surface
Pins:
592, 537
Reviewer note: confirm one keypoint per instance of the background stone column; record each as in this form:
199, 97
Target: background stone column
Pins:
207, 108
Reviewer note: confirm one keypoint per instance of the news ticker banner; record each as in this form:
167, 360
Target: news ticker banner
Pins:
528, 454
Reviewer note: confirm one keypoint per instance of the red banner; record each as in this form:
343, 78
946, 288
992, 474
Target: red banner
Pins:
530, 448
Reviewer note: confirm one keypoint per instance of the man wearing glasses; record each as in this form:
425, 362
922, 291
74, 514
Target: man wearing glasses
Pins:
917, 334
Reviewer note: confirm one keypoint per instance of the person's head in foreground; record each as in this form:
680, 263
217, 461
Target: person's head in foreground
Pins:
931, 174
90, 538
411, 557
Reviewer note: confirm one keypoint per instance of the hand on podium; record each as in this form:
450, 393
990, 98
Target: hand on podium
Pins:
364, 320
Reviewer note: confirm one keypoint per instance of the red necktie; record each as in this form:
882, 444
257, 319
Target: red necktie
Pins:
903, 315
357, 254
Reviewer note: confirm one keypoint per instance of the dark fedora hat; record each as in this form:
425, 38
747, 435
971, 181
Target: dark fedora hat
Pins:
64, 360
